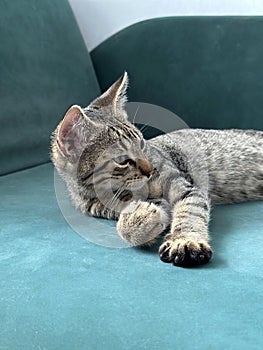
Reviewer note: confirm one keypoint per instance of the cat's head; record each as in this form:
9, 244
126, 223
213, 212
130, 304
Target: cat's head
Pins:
98, 147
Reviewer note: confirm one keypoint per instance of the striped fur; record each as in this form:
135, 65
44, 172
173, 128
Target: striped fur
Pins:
170, 181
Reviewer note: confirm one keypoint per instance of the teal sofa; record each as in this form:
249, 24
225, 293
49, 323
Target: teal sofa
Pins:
60, 291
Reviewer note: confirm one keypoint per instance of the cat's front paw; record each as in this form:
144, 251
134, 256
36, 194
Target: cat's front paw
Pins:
141, 222
185, 253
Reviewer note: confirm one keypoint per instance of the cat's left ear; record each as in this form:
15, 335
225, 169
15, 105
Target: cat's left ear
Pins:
114, 98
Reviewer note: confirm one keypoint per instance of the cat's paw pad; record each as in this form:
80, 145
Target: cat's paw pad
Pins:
141, 222
185, 253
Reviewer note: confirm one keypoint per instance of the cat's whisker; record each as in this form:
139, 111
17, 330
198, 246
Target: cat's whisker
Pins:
144, 127
135, 114
112, 201
116, 197
107, 204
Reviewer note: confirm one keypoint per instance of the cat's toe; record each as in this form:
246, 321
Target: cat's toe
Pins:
192, 257
185, 253
164, 252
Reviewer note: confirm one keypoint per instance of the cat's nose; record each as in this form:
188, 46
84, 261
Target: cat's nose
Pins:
145, 167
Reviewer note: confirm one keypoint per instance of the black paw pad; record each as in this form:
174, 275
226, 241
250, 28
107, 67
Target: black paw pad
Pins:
186, 254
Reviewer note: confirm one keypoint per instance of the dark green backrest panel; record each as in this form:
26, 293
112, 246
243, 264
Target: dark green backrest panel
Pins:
208, 70
44, 69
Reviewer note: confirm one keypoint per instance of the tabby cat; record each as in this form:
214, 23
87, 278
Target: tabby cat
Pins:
169, 181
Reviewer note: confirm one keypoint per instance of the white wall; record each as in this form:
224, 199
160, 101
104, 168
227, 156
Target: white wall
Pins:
99, 19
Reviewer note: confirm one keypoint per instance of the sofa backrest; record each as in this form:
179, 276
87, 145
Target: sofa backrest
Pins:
208, 70
44, 69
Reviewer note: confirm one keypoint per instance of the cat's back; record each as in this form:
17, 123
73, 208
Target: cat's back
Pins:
206, 137
233, 159
217, 144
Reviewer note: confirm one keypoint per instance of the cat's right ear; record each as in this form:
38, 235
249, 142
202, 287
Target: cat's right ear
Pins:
114, 99
71, 135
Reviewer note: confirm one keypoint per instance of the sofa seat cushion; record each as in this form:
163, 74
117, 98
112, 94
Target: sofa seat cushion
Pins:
59, 291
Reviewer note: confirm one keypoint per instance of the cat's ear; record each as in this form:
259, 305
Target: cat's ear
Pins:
114, 98
71, 135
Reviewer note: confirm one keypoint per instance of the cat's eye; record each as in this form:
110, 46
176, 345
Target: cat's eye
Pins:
122, 160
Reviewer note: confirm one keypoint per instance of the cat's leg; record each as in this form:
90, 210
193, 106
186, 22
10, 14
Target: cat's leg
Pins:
141, 222
188, 242
94, 207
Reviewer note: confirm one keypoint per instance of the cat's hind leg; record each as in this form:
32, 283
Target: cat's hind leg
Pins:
188, 242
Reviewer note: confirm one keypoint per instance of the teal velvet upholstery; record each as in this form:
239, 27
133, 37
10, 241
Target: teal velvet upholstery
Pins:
45, 68
208, 70
61, 292
58, 291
